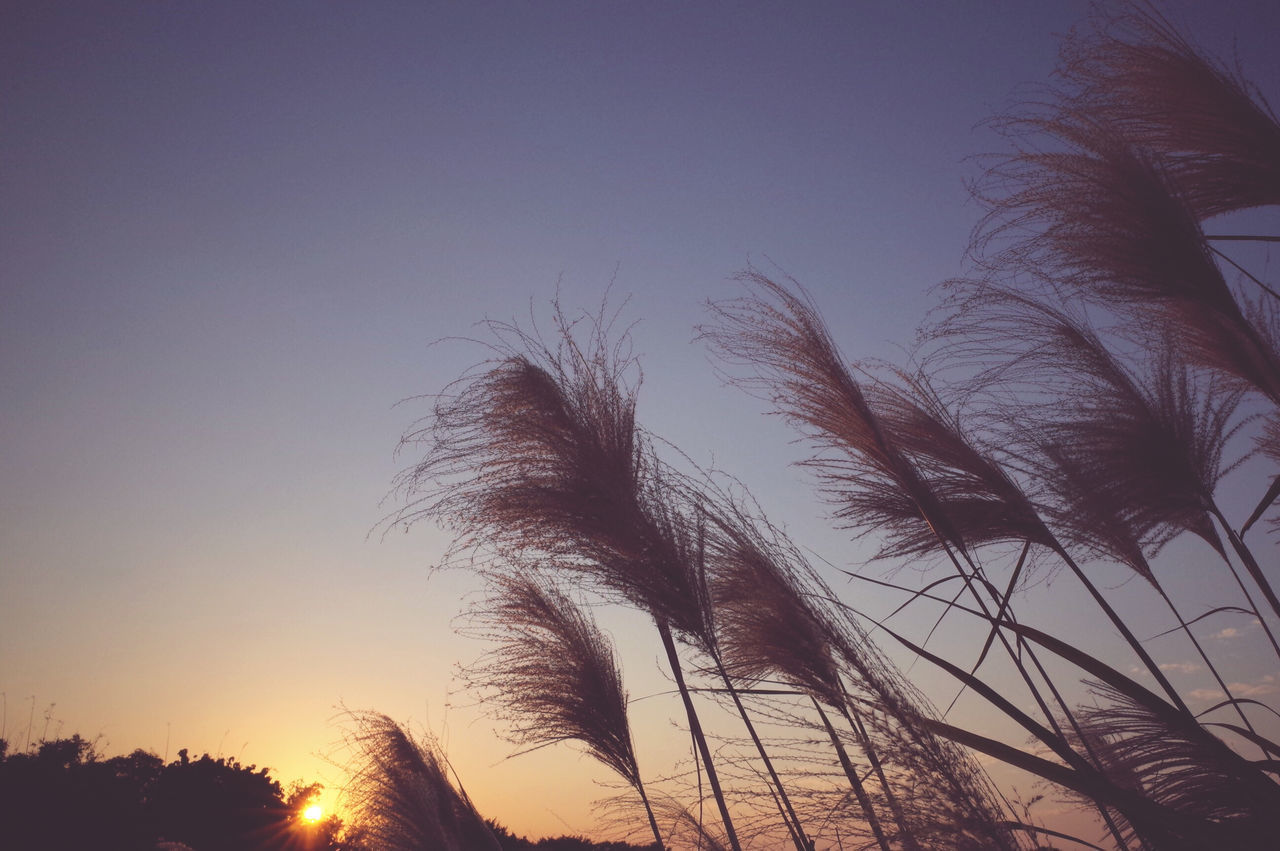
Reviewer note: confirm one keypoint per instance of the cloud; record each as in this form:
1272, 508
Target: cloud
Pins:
1180, 667
1258, 689
1263, 686
1205, 694
1229, 632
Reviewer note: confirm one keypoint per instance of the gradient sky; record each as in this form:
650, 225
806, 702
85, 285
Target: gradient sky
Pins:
229, 233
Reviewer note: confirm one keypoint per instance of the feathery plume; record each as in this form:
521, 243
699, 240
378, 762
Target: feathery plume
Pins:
554, 675
1183, 767
537, 453
1103, 220
1214, 131
401, 796
797, 368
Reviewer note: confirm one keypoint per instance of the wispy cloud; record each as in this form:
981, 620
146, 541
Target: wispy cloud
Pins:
1261, 687
1229, 632
1258, 689
1180, 667
1205, 694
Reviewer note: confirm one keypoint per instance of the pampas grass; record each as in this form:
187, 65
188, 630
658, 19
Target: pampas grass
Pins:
537, 453
552, 674
1215, 132
1060, 434
400, 795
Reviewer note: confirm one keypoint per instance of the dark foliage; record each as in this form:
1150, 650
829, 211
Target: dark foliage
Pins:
64, 796
512, 842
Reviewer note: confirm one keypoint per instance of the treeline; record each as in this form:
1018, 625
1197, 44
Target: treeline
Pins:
62, 794
511, 842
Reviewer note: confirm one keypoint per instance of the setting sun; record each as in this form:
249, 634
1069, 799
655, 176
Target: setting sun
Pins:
313, 812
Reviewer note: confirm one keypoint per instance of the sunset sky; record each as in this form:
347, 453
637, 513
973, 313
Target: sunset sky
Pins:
231, 232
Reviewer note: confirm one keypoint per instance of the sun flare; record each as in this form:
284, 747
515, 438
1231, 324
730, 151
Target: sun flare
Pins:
313, 812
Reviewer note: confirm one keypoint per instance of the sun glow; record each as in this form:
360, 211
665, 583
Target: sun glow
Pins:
313, 812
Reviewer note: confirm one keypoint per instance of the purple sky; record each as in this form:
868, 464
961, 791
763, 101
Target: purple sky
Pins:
230, 231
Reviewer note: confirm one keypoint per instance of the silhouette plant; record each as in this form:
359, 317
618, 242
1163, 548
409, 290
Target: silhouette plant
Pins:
1107, 443
773, 622
1214, 132
401, 796
552, 673
538, 454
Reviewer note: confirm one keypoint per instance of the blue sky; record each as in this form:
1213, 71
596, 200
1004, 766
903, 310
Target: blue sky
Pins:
231, 231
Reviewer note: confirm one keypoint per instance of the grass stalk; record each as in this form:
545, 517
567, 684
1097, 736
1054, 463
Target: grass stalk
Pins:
855, 781
695, 729
1249, 562
789, 817
1204, 657
854, 719
1123, 628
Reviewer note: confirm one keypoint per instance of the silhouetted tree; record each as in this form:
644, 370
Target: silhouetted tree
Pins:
64, 796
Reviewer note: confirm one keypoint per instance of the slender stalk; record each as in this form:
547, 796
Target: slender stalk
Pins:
1244, 589
1267, 499
1250, 564
1014, 657
695, 729
1204, 656
788, 812
851, 714
854, 780
1122, 627
905, 833
1020, 666
1253, 606
1026, 678
1153, 820
1243, 271
653, 823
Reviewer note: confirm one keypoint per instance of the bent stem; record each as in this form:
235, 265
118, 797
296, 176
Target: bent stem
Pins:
854, 780
905, 833
1026, 648
695, 729
1250, 564
653, 822
787, 811
1205, 657
1123, 628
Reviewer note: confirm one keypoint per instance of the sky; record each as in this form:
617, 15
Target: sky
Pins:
239, 242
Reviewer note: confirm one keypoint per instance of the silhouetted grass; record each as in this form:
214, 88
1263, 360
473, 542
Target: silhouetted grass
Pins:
1059, 439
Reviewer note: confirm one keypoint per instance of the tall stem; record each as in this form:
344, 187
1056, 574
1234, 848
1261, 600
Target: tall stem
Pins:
1026, 677
1123, 628
1245, 272
1204, 656
695, 729
851, 715
1018, 664
788, 812
653, 822
1244, 589
1250, 564
854, 780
